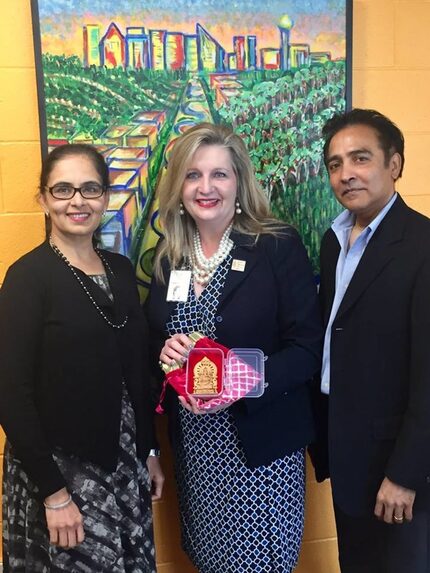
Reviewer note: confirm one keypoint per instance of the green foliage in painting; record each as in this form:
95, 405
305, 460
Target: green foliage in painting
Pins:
280, 121
89, 100
279, 115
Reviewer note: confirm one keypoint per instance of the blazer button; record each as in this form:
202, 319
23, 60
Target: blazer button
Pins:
428, 479
219, 319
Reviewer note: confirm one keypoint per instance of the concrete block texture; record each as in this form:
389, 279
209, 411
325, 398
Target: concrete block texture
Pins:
391, 72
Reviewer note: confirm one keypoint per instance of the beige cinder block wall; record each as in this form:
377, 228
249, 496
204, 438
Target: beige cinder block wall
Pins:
391, 73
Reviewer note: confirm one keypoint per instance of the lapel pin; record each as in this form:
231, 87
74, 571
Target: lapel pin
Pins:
238, 265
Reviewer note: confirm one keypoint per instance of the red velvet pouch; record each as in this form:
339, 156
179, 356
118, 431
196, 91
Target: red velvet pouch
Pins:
176, 375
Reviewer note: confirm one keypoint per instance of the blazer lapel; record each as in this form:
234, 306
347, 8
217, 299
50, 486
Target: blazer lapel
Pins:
379, 252
245, 253
328, 277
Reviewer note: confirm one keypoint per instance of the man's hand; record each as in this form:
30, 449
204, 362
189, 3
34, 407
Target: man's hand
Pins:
394, 502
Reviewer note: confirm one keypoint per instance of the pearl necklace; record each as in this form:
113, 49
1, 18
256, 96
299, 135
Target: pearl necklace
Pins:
87, 292
203, 269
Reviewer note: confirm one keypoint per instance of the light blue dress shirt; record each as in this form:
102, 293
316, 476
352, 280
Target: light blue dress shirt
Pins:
346, 265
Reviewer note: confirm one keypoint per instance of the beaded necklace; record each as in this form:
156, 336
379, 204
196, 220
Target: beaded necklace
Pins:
87, 292
203, 269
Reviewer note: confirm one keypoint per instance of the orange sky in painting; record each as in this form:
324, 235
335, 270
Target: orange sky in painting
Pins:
58, 41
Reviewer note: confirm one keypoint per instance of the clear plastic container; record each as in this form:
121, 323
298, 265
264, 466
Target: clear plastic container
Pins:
244, 372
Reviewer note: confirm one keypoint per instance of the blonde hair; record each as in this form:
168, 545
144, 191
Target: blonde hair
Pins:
178, 230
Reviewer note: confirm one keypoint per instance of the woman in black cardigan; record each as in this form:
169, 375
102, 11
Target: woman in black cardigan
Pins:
74, 398
243, 279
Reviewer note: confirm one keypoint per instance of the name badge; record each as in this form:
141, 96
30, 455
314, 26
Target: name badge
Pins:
238, 265
179, 285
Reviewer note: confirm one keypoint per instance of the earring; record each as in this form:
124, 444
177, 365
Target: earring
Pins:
47, 214
238, 209
181, 209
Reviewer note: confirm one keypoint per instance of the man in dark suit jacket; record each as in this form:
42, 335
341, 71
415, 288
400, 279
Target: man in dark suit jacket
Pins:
374, 405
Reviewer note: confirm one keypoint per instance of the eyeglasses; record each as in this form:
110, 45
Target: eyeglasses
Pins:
66, 191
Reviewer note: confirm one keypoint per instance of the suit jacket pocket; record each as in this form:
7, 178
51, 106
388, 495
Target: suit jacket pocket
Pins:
387, 428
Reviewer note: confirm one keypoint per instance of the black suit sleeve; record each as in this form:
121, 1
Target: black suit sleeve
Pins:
409, 463
21, 336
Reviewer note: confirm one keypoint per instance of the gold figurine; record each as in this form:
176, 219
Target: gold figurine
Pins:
205, 377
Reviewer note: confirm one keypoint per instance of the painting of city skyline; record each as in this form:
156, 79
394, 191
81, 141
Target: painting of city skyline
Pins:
130, 77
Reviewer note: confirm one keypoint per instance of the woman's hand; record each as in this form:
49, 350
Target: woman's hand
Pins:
156, 476
190, 404
176, 349
65, 525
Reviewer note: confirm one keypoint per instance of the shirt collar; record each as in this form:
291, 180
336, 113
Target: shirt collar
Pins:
345, 221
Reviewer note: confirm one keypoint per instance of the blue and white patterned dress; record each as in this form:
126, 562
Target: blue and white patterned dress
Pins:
234, 519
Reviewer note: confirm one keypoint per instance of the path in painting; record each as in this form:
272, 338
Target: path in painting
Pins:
193, 108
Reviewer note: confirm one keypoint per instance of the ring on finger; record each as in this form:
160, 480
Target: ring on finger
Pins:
398, 519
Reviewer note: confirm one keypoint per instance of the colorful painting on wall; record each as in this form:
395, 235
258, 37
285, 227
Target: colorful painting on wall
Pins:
130, 76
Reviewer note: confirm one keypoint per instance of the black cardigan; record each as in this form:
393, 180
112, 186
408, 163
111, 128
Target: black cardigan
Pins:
62, 365
271, 305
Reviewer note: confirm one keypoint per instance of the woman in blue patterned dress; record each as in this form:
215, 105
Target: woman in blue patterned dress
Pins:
75, 402
240, 471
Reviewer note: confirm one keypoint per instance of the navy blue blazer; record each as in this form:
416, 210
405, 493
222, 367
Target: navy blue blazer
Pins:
271, 305
378, 411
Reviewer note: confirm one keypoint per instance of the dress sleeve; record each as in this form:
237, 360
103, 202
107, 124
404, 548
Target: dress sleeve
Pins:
299, 322
21, 336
